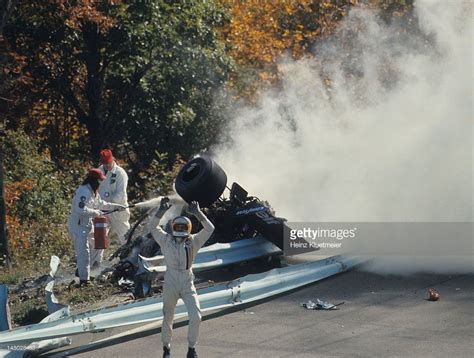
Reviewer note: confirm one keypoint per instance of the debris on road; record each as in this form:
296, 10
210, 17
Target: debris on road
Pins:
321, 305
434, 296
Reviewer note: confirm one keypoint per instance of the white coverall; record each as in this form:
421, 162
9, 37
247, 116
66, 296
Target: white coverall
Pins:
179, 277
85, 206
114, 189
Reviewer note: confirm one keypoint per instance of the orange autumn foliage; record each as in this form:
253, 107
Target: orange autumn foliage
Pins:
84, 11
261, 31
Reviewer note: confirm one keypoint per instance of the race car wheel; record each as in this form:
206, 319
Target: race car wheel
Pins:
202, 180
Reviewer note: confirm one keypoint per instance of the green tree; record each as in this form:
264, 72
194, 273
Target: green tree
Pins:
38, 201
140, 73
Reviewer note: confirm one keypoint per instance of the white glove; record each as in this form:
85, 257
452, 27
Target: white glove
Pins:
119, 207
97, 213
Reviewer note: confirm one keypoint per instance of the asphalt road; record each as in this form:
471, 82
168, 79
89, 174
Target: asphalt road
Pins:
382, 316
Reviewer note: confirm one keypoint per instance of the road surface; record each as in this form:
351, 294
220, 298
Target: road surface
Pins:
382, 316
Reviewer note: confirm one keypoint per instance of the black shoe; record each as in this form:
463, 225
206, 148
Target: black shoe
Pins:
77, 275
83, 283
166, 352
192, 353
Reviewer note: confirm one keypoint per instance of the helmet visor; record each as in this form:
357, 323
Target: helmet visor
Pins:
181, 227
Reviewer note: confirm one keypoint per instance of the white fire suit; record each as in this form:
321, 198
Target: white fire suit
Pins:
114, 189
179, 277
85, 206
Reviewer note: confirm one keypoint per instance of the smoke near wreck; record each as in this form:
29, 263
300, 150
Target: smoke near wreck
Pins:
376, 128
177, 204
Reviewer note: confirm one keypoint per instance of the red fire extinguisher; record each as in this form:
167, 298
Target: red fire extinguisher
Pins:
101, 240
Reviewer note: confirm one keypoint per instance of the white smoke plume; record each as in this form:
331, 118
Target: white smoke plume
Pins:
176, 202
389, 141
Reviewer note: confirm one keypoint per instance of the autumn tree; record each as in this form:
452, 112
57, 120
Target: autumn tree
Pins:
53, 36
262, 31
12, 76
141, 74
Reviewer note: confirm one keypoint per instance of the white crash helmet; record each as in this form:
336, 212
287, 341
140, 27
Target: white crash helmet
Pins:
181, 226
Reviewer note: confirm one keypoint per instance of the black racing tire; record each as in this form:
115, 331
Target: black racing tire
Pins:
202, 180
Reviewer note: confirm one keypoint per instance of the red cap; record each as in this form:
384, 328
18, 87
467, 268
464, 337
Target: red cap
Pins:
106, 156
96, 173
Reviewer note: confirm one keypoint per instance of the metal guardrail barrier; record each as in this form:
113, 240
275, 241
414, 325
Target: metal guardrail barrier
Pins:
243, 290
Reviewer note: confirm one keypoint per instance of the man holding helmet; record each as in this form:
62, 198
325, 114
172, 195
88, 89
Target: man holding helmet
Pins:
179, 250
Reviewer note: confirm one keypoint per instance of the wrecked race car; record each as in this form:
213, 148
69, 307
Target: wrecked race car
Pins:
246, 227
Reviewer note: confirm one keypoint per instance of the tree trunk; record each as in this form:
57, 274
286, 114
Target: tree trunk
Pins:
94, 86
4, 246
96, 137
6, 8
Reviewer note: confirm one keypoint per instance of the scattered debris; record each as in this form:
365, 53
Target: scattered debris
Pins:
51, 300
125, 283
434, 296
105, 276
321, 305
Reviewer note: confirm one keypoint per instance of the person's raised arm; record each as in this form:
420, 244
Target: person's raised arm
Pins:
207, 227
154, 225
